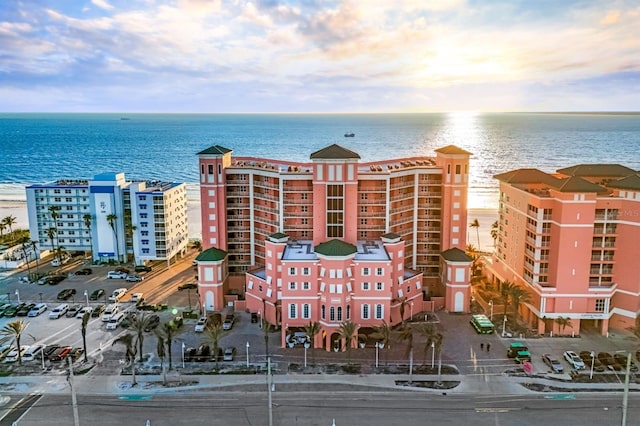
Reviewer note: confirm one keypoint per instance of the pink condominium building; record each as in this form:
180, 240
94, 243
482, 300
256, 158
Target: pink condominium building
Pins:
571, 239
334, 239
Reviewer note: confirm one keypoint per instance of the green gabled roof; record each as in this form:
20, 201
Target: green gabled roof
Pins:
524, 176
215, 150
452, 149
278, 235
630, 182
456, 255
391, 236
577, 184
334, 152
211, 255
597, 170
336, 248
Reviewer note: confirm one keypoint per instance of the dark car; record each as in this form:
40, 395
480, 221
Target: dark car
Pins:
24, 311
54, 279
73, 311
152, 323
190, 354
97, 294
67, 293
49, 350
12, 310
98, 310
142, 268
84, 271
188, 286
123, 270
204, 352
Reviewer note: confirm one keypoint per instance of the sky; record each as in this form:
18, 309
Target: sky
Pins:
240, 56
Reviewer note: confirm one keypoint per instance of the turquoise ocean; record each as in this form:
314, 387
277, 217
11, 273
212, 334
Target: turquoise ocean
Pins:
37, 148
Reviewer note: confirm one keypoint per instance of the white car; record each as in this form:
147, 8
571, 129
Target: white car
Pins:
201, 325
133, 278
13, 355
574, 360
84, 310
117, 294
37, 310
116, 275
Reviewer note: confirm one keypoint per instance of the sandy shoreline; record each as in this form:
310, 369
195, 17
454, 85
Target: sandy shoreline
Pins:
485, 217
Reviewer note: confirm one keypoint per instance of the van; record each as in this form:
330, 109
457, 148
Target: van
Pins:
117, 294
109, 312
33, 352
115, 321
59, 311
37, 310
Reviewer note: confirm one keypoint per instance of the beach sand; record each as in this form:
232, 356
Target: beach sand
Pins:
485, 217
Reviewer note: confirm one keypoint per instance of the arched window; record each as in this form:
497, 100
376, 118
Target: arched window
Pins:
332, 314
339, 313
323, 312
348, 312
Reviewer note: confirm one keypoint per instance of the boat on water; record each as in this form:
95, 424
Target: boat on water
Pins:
125, 118
349, 135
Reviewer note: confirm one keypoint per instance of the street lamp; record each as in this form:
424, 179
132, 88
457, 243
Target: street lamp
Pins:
247, 354
307, 344
183, 346
593, 358
40, 297
625, 397
18, 295
260, 318
491, 310
86, 297
433, 353
411, 311
379, 346
504, 325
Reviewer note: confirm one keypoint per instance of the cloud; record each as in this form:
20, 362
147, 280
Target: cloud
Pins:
102, 4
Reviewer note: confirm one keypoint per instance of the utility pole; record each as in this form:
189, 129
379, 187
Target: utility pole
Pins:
269, 384
625, 398
74, 401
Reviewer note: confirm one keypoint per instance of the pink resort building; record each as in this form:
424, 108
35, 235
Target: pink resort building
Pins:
334, 240
571, 239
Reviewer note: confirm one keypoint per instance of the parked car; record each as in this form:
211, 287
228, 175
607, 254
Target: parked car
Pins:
54, 279
12, 310
12, 356
187, 286
229, 353
136, 298
123, 270
115, 275
86, 309
60, 354
553, 363
37, 310
228, 322
152, 323
190, 354
97, 311
97, 294
58, 311
73, 311
33, 352
60, 261
204, 352
109, 312
24, 311
115, 321
133, 278
142, 268
49, 350
117, 294
574, 360
201, 325
67, 293
84, 271
585, 356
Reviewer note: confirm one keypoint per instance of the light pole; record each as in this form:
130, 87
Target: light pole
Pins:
86, 297
18, 295
247, 354
491, 310
411, 310
378, 347
306, 346
40, 297
593, 358
433, 353
183, 355
625, 397
504, 325
260, 318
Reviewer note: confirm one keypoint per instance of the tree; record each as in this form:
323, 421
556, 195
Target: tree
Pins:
129, 230
494, 232
166, 332
160, 350
518, 295
428, 331
9, 221
2, 228
87, 218
111, 219
403, 305
83, 329
128, 341
214, 333
476, 224
51, 233
24, 241
348, 331
406, 335
139, 324
505, 292
312, 329
14, 330
563, 323
34, 247
53, 211
382, 334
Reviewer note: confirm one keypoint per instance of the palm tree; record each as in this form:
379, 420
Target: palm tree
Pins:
53, 211
87, 218
563, 323
34, 247
83, 329
9, 221
111, 219
139, 325
60, 250
197, 244
14, 330
128, 341
51, 233
429, 332
476, 224
24, 241
403, 304
312, 329
214, 333
406, 334
166, 332
505, 293
382, 334
494, 232
160, 350
2, 228
348, 331
130, 229
518, 295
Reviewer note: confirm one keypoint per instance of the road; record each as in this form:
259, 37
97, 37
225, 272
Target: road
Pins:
320, 408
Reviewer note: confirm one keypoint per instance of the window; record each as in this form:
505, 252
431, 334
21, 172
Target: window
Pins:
292, 286
379, 286
348, 312
292, 271
306, 311
332, 314
379, 311
210, 168
306, 285
365, 271
365, 311
306, 271
292, 310
335, 211
339, 313
365, 286
323, 312
600, 305
303, 196
379, 271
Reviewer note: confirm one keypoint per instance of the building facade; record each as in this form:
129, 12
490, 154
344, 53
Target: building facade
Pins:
570, 239
113, 218
331, 240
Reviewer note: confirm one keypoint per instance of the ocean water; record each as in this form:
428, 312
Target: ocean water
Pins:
37, 148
